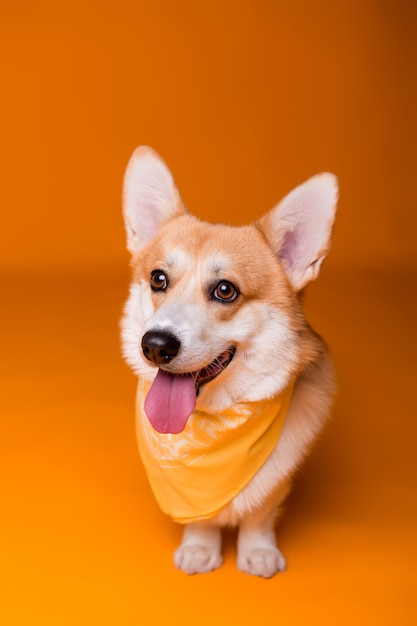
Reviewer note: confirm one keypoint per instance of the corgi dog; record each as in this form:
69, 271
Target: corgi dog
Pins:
234, 385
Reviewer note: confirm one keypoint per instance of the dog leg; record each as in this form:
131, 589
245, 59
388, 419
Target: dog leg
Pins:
257, 551
200, 549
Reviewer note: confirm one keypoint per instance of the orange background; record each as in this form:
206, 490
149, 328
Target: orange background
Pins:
243, 100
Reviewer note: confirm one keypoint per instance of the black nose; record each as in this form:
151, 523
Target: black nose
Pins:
160, 347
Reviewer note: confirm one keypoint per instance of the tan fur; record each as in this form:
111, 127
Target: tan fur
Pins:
274, 343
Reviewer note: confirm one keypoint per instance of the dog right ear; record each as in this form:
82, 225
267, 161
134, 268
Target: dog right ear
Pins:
150, 197
299, 228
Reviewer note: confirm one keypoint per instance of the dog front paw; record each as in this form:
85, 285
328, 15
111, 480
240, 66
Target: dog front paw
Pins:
263, 562
195, 559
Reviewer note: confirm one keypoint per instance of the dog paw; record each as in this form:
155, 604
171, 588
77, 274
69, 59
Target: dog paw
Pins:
263, 562
195, 559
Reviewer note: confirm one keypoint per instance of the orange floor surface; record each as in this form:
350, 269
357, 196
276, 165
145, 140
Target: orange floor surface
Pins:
82, 539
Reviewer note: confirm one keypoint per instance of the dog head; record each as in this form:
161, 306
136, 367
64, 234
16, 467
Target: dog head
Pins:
214, 310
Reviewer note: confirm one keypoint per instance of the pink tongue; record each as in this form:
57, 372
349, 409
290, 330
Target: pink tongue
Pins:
170, 401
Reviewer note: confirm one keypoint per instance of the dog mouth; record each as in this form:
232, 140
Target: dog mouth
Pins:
216, 367
172, 397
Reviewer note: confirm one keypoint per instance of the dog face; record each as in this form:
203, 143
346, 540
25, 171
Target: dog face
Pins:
214, 309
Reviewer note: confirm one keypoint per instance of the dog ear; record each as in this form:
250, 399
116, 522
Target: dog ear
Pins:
299, 228
150, 197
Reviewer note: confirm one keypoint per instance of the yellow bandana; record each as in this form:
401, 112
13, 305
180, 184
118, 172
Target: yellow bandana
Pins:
194, 474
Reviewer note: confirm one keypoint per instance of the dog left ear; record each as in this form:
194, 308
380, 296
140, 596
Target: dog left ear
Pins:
299, 228
150, 197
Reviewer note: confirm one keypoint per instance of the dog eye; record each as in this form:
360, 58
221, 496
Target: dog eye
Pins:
159, 280
225, 291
